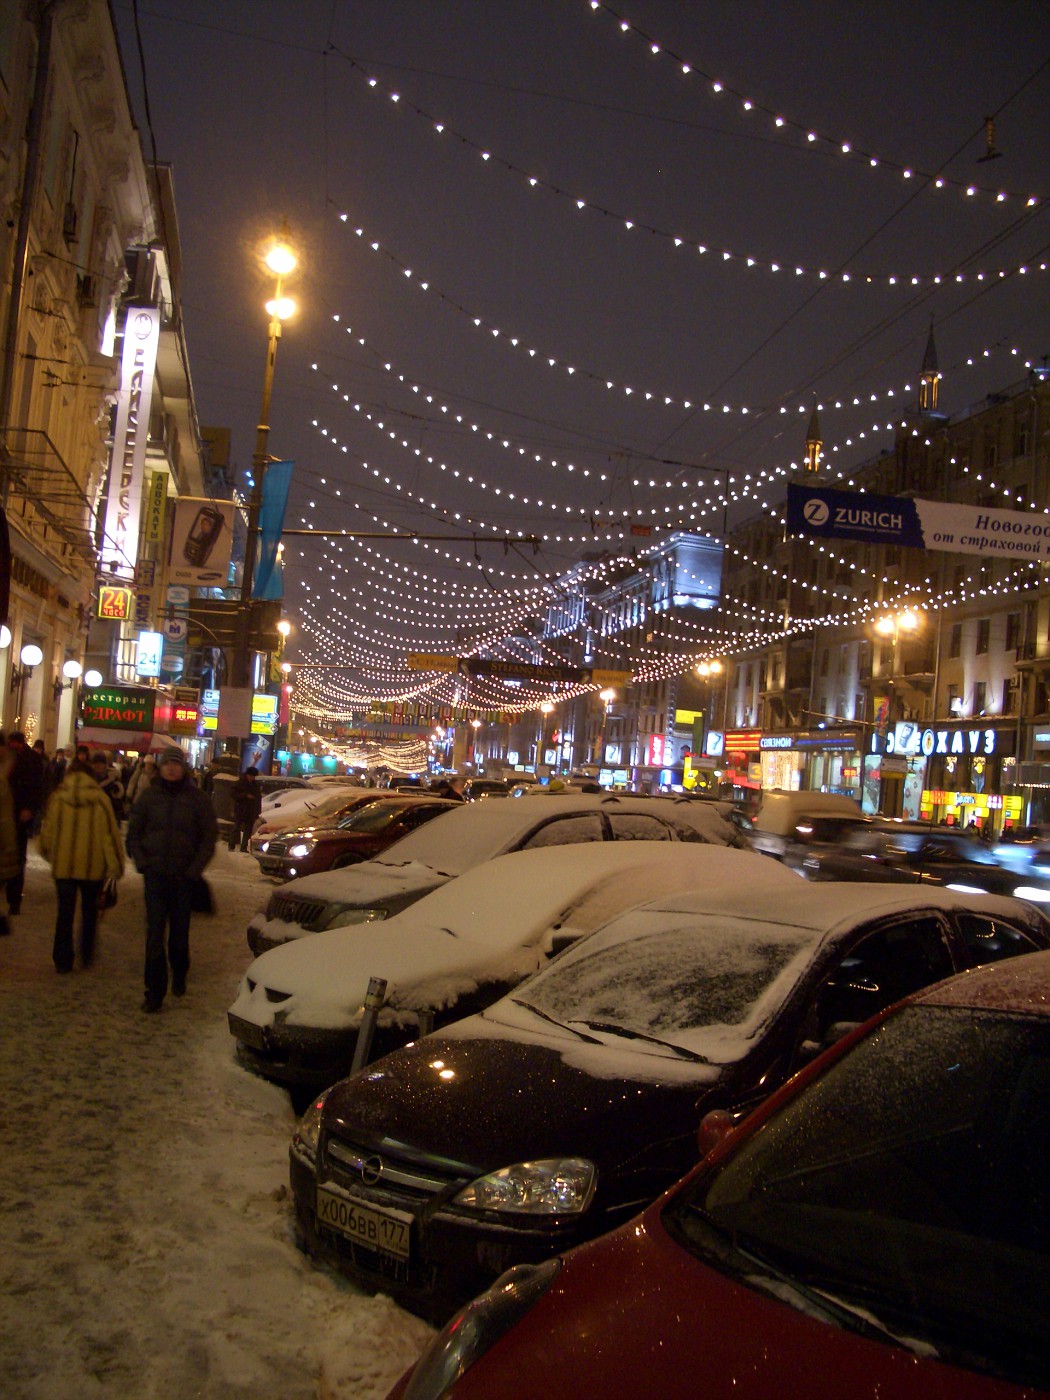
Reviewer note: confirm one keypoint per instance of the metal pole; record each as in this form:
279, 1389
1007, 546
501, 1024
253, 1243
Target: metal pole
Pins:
373, 1002
241, 666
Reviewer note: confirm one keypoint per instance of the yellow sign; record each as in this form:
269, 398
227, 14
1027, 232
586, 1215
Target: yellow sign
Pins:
425, 661
114, 603
155, 504
611, 677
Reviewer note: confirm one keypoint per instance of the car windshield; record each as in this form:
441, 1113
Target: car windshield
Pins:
377, 816
700, 985
908, 1187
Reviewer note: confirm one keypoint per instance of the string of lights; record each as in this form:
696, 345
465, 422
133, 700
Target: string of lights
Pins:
852, 276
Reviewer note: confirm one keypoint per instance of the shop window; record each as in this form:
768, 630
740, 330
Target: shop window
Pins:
955, 645
984, 628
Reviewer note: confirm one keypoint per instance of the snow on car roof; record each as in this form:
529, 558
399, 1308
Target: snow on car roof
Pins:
474, 928
1020, 985
473, 833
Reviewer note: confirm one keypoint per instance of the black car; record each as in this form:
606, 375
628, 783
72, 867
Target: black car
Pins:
562, 1109
918, 853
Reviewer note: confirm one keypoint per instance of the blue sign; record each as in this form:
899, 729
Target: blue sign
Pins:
853, 515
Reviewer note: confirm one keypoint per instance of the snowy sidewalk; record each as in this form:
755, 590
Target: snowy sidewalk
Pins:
147, 1248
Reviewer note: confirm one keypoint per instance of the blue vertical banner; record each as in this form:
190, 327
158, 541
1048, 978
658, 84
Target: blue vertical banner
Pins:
268, 582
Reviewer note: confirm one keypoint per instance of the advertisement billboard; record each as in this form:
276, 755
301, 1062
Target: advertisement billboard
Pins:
201, 541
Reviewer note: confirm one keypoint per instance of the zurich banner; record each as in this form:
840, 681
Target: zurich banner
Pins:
899, 520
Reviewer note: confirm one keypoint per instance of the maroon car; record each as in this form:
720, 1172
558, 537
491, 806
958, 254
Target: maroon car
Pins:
878, 1230
362, 834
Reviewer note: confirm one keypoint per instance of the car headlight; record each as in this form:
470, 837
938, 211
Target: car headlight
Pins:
264, 847
342, 917
300, 849
555, 1186
1038, 894
477, 1327
308, 1129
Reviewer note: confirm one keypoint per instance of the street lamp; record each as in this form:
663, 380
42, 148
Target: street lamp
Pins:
281, 260
72, 670
30, 656
92, 679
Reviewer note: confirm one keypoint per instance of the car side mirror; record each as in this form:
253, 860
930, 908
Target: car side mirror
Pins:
714, 1126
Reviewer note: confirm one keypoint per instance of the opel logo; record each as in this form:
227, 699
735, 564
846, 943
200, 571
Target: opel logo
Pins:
371, 1170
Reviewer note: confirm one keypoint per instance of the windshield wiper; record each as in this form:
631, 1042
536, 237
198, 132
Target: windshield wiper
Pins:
845, 1315
848, 1317
612, 1029
592, 1039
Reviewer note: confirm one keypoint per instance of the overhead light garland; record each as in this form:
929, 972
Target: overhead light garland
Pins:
786, 266
813, 139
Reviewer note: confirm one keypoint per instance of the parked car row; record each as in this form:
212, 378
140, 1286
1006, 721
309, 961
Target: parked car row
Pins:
554, 1027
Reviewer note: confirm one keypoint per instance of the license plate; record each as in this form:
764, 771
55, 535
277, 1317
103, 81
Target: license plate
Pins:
247, 1031
380, 1230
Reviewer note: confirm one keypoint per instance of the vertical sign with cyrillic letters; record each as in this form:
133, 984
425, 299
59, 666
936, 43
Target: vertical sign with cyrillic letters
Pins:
120, 544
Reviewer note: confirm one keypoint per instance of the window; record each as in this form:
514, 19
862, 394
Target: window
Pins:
953, 700
566, 831
990, 940
955, 645
980, 697
880, 969
636, 826
1013, 631
984, 628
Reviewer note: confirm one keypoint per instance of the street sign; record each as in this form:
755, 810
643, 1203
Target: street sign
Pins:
611, 677
428, 661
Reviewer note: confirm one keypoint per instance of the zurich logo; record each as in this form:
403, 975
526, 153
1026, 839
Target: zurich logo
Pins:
816, 511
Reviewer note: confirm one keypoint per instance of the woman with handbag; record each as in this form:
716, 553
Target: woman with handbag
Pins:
81, 841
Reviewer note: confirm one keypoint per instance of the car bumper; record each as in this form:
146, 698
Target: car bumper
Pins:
450, 1259
293, 1055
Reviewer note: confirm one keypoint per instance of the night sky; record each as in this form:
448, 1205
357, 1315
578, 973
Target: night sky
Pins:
266, 112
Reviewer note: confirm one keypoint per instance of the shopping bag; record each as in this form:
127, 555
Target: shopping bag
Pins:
202, 900
107, 895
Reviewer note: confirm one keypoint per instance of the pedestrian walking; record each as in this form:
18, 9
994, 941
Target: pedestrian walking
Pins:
143, 774
171, 837
108, 779
247, 807
26, 778
80, 840
9, 850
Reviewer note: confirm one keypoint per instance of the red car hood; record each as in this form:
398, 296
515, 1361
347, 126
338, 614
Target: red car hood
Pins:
633, 1314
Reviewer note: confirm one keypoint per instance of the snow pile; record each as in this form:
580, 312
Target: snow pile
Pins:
148, 1245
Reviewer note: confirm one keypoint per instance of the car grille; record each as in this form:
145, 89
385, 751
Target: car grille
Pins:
294, 909
384, 1172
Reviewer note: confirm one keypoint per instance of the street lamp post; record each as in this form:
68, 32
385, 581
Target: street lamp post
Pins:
281, 260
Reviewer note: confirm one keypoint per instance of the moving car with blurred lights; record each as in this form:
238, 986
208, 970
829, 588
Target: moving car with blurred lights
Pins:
300, 1006
920, 854
563, 1108
475, 832
878, 1230
371, 826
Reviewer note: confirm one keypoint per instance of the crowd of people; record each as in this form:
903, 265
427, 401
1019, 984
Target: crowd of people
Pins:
77, 804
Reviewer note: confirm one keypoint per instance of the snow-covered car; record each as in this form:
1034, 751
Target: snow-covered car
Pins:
302, 800
462, 839
560, 1110
299, 1007
317, 808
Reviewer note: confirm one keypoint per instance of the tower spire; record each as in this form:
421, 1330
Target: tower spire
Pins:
930, 377
814, 442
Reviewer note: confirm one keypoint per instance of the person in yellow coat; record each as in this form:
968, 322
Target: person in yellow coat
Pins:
81, 841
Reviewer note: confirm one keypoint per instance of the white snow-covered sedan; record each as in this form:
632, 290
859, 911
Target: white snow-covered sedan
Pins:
455, 951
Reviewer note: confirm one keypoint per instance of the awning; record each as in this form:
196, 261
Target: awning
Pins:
95, 737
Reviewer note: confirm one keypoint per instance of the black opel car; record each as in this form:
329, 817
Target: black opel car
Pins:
565, 1107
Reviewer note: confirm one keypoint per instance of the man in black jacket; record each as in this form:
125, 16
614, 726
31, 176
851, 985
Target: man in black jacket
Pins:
171, 837
247, 807
26, 776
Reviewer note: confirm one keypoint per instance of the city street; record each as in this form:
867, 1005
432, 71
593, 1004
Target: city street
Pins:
148, 1246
